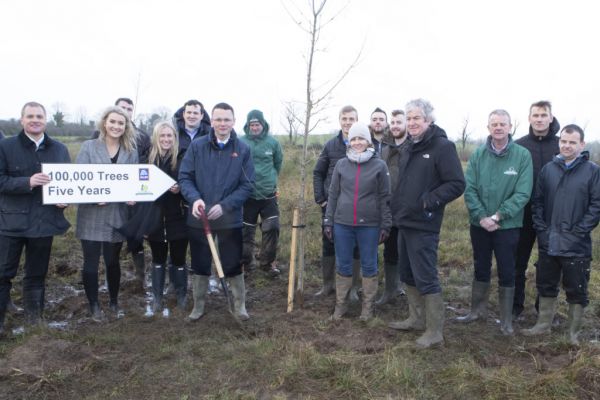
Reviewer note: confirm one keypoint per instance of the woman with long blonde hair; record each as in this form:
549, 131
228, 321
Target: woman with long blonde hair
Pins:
96, 223
169, 234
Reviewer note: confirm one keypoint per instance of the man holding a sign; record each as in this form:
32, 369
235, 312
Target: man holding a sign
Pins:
24, 221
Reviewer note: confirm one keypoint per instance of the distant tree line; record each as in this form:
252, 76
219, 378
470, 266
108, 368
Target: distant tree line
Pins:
12, 127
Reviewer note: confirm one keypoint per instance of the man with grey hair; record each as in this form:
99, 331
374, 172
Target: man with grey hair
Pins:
431, 178
499, 180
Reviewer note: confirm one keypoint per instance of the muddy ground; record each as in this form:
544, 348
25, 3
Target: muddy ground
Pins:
136, 357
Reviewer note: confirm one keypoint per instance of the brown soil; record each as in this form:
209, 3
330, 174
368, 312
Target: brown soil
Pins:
119, 359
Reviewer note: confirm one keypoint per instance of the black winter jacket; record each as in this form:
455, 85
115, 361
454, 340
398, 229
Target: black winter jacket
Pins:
334, 150
566, 207
22, 213
432, 178
184, 138
542, 149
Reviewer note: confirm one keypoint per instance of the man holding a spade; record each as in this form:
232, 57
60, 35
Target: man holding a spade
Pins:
216, 178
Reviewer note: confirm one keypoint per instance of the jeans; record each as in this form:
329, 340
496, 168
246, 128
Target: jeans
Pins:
366, 238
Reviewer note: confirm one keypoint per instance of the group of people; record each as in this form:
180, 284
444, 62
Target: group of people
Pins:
375, 183
217, 173
390, 184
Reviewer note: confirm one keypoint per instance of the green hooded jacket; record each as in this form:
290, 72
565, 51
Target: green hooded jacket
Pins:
499, 183
266, 154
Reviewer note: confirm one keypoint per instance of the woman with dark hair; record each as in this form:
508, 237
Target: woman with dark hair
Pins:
96, 223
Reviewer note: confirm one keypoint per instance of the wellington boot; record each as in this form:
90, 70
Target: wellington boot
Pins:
140, 271
434, 321
181, 286
416, 312
97, 314
356, 284
480, 293
13, 308
506, 297
575, 321
342, 287
369, 293
158, 286
328, 270
238, 290
170, 290
199, 289
545, 316
391, 288
33, 300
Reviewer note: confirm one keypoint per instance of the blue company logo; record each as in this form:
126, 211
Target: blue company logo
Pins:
144, 174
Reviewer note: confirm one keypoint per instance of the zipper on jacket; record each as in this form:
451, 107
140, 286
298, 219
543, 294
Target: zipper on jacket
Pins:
355, 202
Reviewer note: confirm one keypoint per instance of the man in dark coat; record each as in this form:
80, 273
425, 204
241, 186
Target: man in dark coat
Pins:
542, 143
217, 175
566, 209
432, 178
334, 150
24, 221
192, 122
395, 155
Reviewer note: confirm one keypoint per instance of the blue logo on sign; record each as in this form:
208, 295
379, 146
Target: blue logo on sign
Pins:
144, 174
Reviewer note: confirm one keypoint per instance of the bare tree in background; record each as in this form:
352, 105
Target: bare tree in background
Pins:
515, 127
313, 20
464, 139
293, 119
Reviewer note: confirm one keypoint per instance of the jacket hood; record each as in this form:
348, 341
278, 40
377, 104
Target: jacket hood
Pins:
432, 132
552, 131
180, 123
256, 116
583, 157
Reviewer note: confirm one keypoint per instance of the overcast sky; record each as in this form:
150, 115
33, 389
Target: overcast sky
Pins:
467, 57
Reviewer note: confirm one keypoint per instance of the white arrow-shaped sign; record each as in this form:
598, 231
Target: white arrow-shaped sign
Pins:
104, 183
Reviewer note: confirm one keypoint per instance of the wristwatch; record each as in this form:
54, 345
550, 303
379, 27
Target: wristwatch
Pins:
495, 218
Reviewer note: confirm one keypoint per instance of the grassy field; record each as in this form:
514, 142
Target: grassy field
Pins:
300, 355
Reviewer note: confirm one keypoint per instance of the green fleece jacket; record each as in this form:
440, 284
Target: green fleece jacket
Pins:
266, 155
499, 183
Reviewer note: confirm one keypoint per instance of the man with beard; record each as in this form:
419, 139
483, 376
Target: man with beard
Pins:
432, 178
395, 155
542, 144
378, 127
